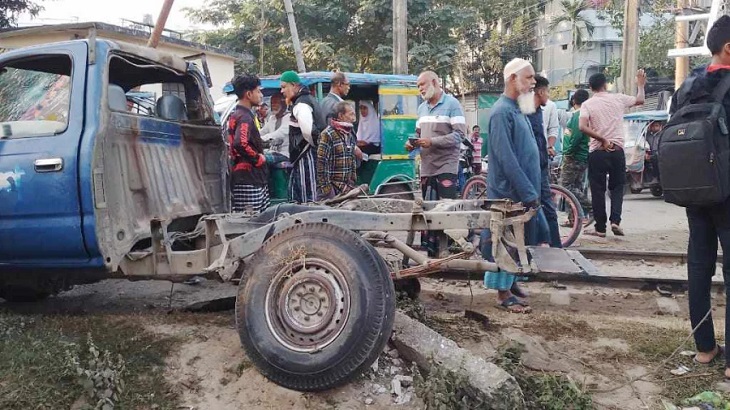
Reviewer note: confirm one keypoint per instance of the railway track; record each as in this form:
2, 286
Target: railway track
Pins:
667, 271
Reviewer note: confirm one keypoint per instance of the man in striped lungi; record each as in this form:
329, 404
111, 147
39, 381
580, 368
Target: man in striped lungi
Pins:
304, 129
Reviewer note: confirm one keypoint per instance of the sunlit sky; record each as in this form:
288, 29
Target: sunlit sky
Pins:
70, 11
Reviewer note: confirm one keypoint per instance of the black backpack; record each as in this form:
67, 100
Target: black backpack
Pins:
694, 150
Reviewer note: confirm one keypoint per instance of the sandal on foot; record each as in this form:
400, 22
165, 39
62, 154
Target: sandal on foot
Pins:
596, 233
514, 305
719, 355
617, 230
517, 291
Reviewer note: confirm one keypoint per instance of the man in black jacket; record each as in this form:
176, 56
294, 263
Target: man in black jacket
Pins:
708, 224
249, 173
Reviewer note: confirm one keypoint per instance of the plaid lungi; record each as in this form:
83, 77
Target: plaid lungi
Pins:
303, 179
249, 198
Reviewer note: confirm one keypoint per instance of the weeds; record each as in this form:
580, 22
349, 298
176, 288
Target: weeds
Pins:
442, 389
98, 372
543, 391
49, 362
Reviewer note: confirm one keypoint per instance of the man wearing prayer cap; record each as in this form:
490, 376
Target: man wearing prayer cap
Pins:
305, 125
514, 169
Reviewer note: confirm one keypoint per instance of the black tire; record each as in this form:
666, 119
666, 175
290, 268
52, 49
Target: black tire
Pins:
657, 191
23, 294
315, 270
636, 190
575, 211
397, 191
475, 188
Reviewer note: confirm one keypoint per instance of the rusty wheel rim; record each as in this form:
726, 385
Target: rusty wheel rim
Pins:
307, 304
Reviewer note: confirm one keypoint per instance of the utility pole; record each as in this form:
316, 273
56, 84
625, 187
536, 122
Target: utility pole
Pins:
261, 33
160, 25
630, 50
295, 36
681, 69
400, 36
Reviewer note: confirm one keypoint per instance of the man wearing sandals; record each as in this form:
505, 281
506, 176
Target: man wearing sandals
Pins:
708, 224
514, 170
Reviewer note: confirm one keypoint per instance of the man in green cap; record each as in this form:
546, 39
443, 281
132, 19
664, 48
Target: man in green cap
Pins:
305, 125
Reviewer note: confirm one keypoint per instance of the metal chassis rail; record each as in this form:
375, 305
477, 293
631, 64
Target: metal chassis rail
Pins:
223, 242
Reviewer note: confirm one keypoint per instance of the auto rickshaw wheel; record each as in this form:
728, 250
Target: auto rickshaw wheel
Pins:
315, 307
657, 191
397, 191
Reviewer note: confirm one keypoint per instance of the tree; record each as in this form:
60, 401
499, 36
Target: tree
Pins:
11, 9
350, 35
576, 22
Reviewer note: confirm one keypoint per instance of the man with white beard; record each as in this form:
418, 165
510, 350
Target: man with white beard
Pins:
514, 170
440, 128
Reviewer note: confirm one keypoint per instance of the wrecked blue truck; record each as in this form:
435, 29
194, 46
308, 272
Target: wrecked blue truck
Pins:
112, 165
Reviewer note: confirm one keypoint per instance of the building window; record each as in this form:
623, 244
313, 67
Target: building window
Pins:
607, 52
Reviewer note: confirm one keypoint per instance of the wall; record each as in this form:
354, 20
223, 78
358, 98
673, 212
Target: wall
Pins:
221, 67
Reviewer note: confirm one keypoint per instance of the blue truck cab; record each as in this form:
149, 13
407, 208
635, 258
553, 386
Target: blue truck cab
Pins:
99, 142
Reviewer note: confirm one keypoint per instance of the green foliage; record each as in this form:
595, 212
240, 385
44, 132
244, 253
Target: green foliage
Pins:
573, 16
442, 389
543, 391
11, 9
455, 38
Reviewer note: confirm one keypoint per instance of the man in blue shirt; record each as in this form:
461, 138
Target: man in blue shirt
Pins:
514, 168
552, 235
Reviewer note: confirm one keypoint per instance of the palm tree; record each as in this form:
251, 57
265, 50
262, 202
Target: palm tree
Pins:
572, 15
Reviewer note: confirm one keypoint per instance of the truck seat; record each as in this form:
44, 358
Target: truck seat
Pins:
171, 108
117, 98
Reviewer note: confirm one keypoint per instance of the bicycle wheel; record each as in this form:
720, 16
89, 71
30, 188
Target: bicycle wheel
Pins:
570, 214
475, 188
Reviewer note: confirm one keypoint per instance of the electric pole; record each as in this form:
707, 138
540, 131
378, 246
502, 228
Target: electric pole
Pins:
160, 25
681, 69
261, 49
630, 50
295, 36
400, 36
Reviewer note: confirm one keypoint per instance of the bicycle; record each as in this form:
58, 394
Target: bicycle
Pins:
570, 213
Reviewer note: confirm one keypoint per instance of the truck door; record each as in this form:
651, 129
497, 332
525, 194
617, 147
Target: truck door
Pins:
41, 121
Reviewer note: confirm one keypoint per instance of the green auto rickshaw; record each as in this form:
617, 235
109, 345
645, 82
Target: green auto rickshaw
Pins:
392, 172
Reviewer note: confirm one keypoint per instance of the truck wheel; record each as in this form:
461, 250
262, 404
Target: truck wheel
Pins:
22, 294
315, 307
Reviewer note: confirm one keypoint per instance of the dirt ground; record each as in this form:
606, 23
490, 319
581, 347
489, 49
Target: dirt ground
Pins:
650, 224
599, 336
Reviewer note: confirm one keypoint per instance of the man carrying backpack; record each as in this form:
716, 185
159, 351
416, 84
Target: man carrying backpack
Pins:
694, 149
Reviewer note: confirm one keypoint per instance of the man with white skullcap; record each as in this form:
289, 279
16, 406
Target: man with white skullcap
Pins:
514, 170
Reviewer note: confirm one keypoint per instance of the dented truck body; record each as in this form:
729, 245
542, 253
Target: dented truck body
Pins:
84, 170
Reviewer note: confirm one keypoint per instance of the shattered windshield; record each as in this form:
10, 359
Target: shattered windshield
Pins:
34, 101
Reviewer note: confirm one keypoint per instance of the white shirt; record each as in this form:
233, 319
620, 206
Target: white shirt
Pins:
550, 122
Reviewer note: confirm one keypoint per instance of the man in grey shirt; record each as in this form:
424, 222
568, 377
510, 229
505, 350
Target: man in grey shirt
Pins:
440, 128
339, 88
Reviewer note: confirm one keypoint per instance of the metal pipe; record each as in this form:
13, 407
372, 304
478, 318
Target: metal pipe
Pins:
160, 25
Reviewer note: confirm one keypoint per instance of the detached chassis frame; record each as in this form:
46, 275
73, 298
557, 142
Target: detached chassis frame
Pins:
221, 244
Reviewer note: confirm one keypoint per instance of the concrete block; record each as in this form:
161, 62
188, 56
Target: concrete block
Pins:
423, 346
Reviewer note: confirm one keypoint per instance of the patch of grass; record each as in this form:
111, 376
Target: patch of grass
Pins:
555, 326
543, 391
40, 357
652, 345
